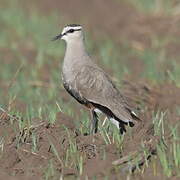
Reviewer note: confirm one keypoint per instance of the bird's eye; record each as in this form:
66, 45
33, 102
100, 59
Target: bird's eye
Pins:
71, 30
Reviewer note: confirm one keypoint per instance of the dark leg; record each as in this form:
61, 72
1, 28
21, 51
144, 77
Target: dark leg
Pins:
122, 128
131, 124
94, 122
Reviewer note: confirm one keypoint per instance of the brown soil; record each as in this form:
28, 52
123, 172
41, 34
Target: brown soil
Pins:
121, 22
19, 162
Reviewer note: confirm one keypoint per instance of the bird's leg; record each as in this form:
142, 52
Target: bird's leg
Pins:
122, 128
94, 122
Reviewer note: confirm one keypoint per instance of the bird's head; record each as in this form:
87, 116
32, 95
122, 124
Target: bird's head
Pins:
70, 32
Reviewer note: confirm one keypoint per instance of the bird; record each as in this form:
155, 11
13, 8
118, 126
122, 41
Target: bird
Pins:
90, 85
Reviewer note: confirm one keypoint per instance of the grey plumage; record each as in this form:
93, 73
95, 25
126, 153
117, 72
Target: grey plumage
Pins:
89, 84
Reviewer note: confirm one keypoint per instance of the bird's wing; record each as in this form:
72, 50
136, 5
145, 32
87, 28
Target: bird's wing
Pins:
94, 85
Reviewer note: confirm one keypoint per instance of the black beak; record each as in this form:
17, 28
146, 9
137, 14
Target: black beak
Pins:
57, 37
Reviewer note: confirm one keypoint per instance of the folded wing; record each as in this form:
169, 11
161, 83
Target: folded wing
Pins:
93, 84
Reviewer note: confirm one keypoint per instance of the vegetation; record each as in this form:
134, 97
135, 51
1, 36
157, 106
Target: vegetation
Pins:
30, 86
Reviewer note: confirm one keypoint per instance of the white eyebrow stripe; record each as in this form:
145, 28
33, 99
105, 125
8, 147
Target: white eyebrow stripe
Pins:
74, 27
78, 27
67, 28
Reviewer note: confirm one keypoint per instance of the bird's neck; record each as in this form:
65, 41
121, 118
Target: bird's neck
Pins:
75, 57
75, 49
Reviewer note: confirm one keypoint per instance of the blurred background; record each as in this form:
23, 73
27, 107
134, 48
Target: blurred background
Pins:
136, 41
131, 39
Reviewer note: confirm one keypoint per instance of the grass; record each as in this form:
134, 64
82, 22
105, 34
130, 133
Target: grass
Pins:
175, 73
49, 172
31, 77
167, 154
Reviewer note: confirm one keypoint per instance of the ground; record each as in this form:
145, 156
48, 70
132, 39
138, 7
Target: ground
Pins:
44, 134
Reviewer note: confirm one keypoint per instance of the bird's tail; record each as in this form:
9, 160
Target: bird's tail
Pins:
133, 115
